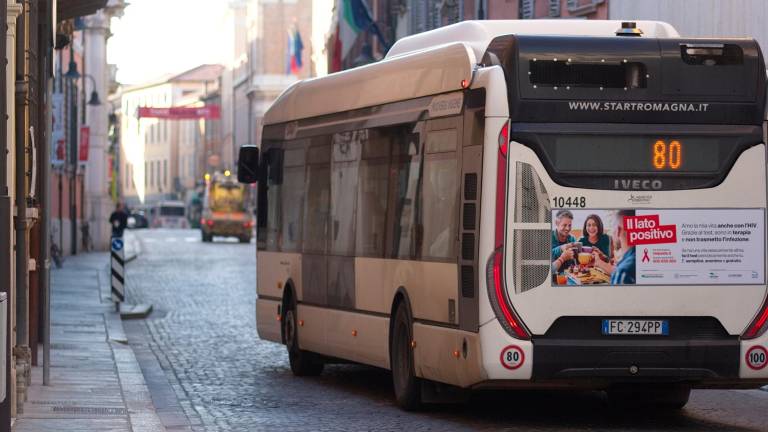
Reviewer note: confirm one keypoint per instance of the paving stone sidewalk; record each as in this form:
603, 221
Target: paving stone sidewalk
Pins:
96, 382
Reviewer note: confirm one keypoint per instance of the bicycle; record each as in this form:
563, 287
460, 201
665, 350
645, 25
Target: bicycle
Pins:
86, 237
56, 255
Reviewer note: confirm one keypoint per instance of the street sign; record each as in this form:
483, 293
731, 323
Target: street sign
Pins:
118, 270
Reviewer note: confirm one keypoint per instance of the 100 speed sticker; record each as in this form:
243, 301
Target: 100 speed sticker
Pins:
757, 357
512, 357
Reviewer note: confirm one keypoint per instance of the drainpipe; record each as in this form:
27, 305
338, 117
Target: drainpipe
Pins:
22, 248
5, 225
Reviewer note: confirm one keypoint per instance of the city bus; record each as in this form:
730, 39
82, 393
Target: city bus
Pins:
170, 214
522, 204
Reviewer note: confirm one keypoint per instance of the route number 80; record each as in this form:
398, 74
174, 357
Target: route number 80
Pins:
667, 156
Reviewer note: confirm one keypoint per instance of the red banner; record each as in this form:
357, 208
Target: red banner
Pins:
85, 142
181, 113
647, 229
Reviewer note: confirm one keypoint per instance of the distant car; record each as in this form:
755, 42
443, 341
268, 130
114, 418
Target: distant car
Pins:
137, 219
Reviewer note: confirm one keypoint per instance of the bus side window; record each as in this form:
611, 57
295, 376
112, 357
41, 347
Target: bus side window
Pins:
372, 194
318, 193
274, 162
439, 209
293, 199
344, 178
406, 173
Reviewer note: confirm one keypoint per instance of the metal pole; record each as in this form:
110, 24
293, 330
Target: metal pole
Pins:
45, 245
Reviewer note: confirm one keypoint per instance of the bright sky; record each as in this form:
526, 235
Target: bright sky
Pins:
157, 37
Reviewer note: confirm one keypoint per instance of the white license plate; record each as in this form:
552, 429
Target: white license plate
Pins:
635, 327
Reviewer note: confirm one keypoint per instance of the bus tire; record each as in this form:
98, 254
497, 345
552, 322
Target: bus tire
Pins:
669, 397
406, 385
303, 363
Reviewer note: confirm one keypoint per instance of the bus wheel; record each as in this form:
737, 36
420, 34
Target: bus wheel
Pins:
671, 397
303, 363
407, 386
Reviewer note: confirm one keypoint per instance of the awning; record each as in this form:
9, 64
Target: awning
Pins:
67, 9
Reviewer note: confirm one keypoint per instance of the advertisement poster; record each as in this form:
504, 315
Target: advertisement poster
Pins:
658, 247
58, 143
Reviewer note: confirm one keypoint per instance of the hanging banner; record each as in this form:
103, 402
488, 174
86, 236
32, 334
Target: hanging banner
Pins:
58, 142
85, 143
658, 247
181, 113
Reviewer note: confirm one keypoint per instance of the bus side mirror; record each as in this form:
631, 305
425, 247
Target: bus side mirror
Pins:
248, 164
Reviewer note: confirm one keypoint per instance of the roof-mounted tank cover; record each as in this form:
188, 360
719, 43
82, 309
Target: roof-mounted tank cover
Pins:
629, 28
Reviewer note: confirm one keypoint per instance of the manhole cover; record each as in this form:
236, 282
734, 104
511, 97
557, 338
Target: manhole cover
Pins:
101, 411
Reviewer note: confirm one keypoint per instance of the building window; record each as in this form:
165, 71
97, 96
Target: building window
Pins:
527, 9
165, 172
554, 8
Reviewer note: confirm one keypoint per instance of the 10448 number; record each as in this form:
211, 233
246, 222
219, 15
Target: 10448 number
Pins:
576, 201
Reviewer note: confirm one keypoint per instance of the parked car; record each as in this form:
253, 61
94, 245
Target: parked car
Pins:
137, 219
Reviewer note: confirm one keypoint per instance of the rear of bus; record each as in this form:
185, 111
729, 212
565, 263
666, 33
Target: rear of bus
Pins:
647, 155
171, 214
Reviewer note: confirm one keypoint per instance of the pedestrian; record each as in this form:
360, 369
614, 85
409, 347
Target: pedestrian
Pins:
119, 220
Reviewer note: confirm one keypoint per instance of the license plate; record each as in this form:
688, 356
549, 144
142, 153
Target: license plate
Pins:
636, 327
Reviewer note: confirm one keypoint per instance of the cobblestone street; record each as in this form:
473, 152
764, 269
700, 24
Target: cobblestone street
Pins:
207, 369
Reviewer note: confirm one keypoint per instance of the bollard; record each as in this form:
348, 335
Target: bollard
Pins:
118, 271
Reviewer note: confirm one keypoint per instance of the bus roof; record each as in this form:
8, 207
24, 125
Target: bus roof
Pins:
478, 34
429, 63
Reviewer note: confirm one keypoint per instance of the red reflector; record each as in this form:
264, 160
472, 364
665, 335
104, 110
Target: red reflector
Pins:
202, 221
210, 222
504, 139
758, 326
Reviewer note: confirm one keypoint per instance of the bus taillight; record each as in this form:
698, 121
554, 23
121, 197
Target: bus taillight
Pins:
759, 325
497, 293
499, 301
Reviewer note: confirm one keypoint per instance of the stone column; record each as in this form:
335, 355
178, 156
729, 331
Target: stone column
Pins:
98, 202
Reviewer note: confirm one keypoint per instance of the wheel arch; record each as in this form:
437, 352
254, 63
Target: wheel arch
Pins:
401, 297
289, 294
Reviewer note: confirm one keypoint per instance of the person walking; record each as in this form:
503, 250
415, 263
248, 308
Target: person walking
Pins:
119, 220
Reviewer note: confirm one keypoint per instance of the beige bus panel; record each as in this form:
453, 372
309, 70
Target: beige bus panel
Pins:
275, 269
439, 356
430, 286
267, 323
438, 70
310, 322
349, 335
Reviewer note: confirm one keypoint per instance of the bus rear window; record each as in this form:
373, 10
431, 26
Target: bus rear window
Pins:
171, 211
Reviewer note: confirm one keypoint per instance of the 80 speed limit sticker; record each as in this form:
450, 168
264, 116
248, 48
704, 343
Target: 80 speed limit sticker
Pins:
757, 357
512, 357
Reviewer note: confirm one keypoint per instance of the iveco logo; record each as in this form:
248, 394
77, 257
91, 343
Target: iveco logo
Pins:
630, 184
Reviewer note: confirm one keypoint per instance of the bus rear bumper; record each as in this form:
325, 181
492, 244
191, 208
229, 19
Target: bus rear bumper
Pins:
647, 360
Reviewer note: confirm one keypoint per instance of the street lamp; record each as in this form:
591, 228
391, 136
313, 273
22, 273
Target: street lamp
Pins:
94, 101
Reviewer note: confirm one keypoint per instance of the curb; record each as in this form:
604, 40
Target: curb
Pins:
142, 413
